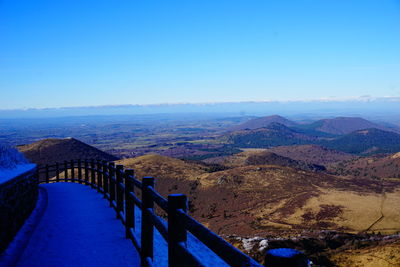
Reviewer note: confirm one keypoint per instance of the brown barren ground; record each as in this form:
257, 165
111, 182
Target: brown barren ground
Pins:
265, 199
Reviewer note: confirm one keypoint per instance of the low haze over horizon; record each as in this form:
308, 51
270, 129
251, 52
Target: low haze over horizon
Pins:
93, 53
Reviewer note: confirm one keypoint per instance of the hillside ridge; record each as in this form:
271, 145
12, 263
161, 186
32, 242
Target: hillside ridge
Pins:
262, 122
50, 150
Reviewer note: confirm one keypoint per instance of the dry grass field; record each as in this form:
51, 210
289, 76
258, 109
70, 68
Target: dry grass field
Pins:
383, 255
261, 199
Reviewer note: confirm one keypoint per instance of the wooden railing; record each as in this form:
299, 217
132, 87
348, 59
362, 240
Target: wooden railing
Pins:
118, 187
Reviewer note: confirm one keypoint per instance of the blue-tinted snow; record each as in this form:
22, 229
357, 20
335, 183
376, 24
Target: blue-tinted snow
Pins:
12, 163
7, 174
10, 157
78, 228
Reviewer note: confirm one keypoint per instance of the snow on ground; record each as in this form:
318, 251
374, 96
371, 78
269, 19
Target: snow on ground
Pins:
10, 157
78, 228
7, 174
12, 163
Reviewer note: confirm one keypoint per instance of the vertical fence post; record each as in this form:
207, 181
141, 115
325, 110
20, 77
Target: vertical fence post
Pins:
79, 171
73, 170
92, 173
47, 174
106, 178
86, 172
147, 225
129, 204
99, 176
111, 172
57, 172
119, 196
176, 230
66, 171
37, 175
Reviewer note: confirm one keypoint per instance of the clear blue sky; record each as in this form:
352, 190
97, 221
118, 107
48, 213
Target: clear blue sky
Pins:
78, 53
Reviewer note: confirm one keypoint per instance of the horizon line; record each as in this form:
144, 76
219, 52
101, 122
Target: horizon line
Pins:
338, 100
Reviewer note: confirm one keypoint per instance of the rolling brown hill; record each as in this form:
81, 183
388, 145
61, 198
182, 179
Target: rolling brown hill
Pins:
257, 157
262, 123
160, 166
270, 199
312, 154
48, 151
370, 167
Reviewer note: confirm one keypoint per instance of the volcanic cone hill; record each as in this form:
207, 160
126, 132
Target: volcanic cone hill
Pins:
262, 123
275, 134
270, 199
344, 125
48, 151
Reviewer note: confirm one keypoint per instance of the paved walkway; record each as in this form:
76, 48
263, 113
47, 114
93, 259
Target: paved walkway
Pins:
78, 228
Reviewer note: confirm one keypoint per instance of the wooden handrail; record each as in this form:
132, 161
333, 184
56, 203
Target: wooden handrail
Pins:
117, 185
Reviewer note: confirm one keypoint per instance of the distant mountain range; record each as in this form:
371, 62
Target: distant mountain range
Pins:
335, 126
346, 134
343, 125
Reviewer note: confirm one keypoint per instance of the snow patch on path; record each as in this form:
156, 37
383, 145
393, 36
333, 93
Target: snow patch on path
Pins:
78, 228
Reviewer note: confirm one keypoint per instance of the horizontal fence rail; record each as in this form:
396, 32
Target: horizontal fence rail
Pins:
118, 185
